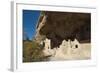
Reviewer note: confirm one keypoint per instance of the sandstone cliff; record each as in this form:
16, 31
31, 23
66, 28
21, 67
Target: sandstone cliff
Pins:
58, 26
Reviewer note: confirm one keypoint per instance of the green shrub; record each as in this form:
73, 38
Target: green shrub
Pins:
32, 52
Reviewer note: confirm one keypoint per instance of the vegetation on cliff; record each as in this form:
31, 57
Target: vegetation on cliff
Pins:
32, 52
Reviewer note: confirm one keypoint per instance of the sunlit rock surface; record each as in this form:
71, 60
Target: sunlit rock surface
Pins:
68, 50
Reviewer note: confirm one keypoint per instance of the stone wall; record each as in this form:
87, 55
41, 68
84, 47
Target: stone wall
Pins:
69, 50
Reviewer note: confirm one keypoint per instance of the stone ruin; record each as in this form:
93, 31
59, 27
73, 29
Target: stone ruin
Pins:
67, 50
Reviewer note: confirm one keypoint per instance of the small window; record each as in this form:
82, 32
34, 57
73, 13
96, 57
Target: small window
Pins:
43, 44
76, 46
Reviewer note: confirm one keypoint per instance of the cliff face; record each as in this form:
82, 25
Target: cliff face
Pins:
58, 26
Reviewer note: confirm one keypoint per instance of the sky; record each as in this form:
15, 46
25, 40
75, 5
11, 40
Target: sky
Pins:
30, 20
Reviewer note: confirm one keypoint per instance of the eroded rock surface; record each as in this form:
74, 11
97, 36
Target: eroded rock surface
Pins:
59, 26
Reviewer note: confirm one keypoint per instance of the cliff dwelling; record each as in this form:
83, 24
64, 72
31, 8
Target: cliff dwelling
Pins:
67, 35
